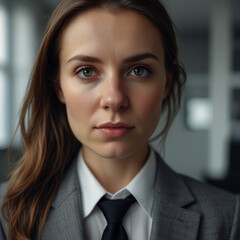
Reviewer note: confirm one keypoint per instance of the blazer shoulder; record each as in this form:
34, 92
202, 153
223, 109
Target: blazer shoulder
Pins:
3, 188
3, 224
171, 182
208, 194
217, 207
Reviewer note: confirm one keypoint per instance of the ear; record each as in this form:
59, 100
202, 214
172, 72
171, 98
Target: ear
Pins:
59, 93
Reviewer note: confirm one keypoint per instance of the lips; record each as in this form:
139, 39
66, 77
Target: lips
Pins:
114, 130
114, 125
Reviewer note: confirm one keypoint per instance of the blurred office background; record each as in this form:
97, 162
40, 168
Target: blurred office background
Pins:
204, 139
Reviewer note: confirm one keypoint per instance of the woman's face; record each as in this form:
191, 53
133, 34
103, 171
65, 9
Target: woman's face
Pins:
113, 81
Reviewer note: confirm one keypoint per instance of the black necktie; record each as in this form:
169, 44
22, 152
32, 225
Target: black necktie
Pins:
114, 211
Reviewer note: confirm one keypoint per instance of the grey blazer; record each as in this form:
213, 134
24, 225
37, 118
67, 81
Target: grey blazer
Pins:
183, 209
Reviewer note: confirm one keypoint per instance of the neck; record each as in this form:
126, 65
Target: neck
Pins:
115, 173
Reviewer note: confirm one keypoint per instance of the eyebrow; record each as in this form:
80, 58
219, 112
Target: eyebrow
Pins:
140, 57
84, 58
135, 58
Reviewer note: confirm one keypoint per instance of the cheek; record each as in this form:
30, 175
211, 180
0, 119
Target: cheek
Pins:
78, 105
79, 113
151, 103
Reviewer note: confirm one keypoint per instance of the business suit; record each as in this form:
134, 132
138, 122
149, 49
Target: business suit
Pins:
183, 209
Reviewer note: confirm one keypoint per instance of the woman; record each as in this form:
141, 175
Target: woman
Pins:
105, 73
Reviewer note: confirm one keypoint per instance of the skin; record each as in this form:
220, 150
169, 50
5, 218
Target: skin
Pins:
102, 81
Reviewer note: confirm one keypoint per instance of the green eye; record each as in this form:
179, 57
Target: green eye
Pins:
86, 73
139, 72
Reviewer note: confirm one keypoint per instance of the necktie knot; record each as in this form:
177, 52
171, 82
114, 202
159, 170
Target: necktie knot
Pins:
114, 211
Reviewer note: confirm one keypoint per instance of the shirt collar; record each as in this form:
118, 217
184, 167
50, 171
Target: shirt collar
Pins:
141, 186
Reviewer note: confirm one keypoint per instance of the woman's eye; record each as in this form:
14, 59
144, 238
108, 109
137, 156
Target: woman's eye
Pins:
86, 72
139, 72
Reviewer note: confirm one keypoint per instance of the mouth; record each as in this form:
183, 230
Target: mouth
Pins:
114, 130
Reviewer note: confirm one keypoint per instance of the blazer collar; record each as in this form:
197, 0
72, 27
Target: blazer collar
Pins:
171, 218
171, 186
69, 185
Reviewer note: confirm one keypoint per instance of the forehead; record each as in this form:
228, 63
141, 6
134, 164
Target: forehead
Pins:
119, 30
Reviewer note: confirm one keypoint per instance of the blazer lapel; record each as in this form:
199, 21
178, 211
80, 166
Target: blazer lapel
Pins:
65, 221
171, 219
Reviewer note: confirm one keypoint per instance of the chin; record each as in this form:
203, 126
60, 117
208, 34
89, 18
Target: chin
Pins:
115, 154
116, 150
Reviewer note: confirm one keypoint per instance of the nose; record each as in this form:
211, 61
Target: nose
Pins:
113, 96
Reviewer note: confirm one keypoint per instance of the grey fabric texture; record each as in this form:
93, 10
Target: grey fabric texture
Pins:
183, 209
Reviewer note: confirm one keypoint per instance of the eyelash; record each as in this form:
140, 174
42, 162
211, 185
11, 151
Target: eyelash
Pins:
147, 70
79, 70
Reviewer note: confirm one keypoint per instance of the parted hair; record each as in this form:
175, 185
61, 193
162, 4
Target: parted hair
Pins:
49, 144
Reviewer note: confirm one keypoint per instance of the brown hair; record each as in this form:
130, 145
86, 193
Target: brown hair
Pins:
49, 144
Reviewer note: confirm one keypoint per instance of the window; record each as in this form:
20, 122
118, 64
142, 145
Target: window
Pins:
199, 113
3, 36
4, 136
198, 105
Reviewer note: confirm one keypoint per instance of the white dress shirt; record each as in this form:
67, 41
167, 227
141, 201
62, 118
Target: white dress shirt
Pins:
138, 219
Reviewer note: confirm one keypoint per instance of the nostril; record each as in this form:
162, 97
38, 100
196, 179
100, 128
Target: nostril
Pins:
115, 103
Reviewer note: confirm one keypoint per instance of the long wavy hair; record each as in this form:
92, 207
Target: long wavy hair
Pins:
49, 144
